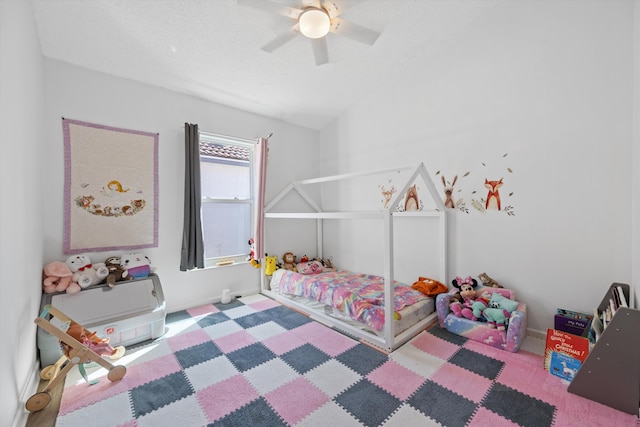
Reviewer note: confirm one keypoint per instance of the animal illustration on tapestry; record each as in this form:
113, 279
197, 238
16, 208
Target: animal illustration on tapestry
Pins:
411, 202
112, 200
448, 192
493, 196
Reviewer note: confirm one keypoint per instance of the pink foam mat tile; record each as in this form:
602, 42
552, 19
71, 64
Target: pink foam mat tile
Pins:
463, 382
264, 305
226, 396
533, 381
396, 379
232, 342
572, 407
484, 417
152, 370
331, 342
522, 357
283, 343
187, 339
286, 401
435, 346
203, 310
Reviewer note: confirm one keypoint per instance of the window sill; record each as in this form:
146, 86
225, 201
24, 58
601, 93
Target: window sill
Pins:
222, 264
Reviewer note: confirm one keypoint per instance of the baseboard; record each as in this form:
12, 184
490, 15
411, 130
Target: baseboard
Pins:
213, 300
534, 333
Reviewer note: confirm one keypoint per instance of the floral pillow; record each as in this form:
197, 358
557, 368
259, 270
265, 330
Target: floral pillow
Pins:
310, 267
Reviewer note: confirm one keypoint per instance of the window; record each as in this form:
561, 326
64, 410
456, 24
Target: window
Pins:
226, 177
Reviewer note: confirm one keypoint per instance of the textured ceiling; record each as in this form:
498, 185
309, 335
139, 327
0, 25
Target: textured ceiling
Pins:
211, 49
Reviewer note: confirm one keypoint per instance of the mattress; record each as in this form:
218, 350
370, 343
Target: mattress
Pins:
405, 316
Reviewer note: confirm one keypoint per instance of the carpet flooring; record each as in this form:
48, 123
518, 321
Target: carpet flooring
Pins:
254, 362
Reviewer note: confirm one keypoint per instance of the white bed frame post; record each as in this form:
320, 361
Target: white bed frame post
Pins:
389, 326
444, 248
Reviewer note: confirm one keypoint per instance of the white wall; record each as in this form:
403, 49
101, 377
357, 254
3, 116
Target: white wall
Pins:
21, 160
550, 85
36, 93
81, 94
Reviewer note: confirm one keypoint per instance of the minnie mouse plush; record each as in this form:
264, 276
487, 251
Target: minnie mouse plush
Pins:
465, 302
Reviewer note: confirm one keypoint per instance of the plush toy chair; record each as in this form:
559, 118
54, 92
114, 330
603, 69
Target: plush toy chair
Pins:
510, 339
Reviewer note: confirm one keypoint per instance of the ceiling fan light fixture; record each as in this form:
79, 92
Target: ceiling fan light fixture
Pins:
314, 23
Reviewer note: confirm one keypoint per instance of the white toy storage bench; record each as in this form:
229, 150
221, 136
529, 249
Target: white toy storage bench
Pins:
131, 312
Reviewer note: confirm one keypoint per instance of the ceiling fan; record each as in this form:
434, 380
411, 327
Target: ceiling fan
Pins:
314, 20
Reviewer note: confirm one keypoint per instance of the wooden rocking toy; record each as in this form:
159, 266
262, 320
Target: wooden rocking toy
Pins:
79, 346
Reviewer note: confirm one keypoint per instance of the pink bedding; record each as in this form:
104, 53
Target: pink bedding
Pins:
360, 296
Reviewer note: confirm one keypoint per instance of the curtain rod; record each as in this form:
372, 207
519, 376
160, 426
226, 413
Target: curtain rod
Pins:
219, 135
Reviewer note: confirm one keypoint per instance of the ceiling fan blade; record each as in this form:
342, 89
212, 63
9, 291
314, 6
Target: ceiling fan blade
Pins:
336, 7
279, 9
354, 31
320, 51
281, 39
311, 3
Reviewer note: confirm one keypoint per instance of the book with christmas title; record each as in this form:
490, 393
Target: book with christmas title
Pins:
564, 353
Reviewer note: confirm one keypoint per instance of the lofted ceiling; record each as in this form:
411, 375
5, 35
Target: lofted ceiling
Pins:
212, 49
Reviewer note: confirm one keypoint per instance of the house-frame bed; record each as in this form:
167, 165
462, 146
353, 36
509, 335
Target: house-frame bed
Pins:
387, 340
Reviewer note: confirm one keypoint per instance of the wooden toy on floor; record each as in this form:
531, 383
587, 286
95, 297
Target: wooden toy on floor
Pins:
80, 346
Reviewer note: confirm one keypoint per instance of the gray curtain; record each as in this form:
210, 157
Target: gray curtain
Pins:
192, 242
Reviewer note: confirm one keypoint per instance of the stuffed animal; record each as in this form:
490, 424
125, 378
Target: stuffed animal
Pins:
117, 273
58, 277
85, 273
271, 264
499, 311
479, 304
429, 287
136, 265
488, 281
252, 255
289, 261
310, 267
89, 339
463, 304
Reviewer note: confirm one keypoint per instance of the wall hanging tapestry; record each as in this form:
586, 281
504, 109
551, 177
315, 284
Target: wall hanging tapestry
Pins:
110, 189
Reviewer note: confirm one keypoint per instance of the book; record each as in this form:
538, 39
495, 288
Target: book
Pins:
563, 366
612, 308
615, 299
574, 314
596, 327
564, 353
572, 322
623, 299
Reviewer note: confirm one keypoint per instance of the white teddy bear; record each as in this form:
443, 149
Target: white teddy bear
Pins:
85, 273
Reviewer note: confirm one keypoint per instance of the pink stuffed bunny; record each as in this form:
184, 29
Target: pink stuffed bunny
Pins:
59, 278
